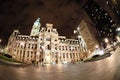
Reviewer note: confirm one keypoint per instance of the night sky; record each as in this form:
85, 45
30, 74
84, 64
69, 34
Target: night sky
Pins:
21, 14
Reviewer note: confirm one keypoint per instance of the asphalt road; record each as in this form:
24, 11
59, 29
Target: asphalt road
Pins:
106, 69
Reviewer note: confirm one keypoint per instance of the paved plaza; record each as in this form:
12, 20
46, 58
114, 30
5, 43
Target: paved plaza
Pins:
106, 69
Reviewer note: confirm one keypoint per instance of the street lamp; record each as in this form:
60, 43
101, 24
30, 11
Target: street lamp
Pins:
78, 28
75, 31
96, 46
0, 40
106, 40
118, 34
118, 29
0, 43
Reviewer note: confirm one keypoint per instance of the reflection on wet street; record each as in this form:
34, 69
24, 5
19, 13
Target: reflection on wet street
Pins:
106, 69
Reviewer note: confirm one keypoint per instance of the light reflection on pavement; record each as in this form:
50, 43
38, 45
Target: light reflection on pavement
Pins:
106, 69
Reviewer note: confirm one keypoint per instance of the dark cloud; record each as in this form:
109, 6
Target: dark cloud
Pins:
21, 14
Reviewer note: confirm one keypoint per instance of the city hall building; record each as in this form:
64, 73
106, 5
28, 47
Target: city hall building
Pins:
46, 46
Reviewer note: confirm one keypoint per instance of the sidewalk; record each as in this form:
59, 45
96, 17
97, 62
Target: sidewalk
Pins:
99, 57
108, 53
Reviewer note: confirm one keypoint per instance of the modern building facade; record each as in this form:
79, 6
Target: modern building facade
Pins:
104, 23
88, 35
46, 46
114, 5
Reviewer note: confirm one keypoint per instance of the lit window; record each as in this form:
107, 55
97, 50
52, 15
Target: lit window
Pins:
106, 14
111, 21
96, 10
86, 6
106, 2
110, 30
117, 12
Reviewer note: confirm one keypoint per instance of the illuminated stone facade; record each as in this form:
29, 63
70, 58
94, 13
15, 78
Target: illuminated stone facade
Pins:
45, 45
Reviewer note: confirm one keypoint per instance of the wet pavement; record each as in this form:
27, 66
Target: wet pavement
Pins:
105, 69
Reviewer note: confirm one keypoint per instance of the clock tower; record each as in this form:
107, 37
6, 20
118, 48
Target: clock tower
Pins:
35, 28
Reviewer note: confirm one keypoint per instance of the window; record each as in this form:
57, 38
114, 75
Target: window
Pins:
41, 39
75, 48
67, 55
20, 51
107, 2
31, 54
48, 39
71, 55
48, 30
27, 53
55, 46
55, 40
17, 51
48, 46
35, 46
66, 48
63, 55
62, 47
76, 55
34, 54
29, 46
32, 46
59, 47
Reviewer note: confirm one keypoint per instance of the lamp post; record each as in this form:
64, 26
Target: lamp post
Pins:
106, 41
118, 34
0, 43
96, 46
1, 48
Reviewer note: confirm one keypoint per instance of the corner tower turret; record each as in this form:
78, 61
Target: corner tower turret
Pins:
35, 28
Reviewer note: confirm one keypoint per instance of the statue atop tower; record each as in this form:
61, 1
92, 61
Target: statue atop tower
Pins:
35, 28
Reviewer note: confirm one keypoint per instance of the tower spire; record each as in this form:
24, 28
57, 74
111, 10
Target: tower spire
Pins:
35, 28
